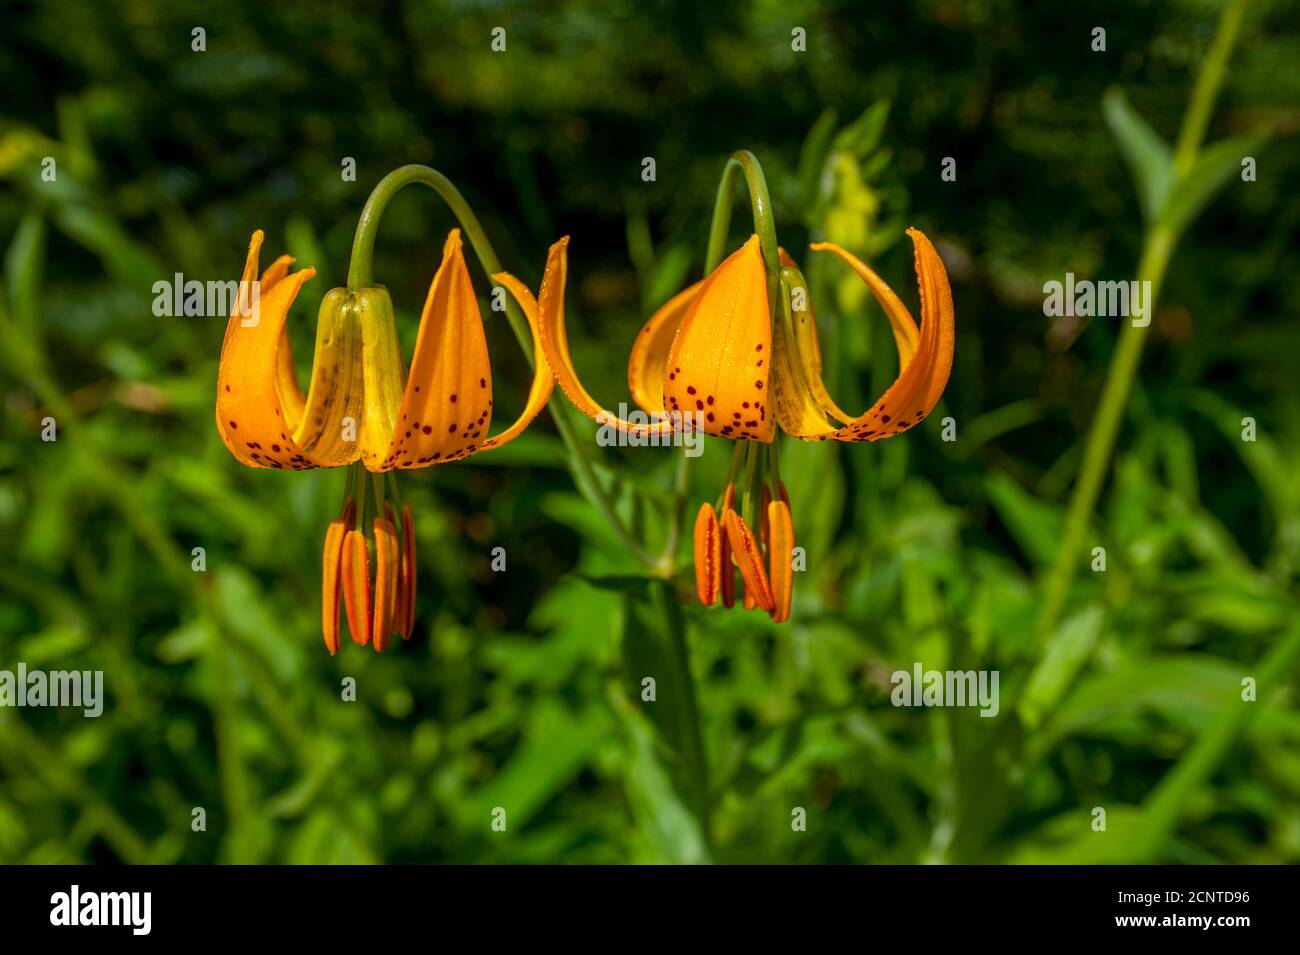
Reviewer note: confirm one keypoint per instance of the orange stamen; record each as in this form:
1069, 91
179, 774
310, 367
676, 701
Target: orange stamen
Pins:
407, 620
725, 565
708, 553
331, 564
749, 559
356, 586
780, 551
385, 580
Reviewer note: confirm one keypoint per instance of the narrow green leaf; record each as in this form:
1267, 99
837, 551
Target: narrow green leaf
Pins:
1067, 652
863, 134
1147, 155
1214, 166
1034, 524
812, 156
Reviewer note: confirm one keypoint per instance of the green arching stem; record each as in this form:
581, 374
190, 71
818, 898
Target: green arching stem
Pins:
361, 275
742, 160
1156, 252
360, 268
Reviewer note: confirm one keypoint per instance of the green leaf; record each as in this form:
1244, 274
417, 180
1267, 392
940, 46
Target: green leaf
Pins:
1213, 168
1069, 839
812, 156
1035, 524
1269, 464
1145, 152
863, 134
24, 266
1067, 652
673, 834
654, 646
1200, 683
557, 746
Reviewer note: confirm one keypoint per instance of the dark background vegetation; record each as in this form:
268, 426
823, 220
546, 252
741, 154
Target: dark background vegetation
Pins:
514, 691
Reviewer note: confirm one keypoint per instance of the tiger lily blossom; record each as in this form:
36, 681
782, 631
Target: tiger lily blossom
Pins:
719, 359
363, 410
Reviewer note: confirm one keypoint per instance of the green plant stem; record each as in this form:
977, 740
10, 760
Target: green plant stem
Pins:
742, 160
361, 275
694, 757
1157, 249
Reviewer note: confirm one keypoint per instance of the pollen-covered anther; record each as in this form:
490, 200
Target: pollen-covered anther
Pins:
331, 569
356, 586
708, 555
724, 560
386, 574
749, 559
780, 550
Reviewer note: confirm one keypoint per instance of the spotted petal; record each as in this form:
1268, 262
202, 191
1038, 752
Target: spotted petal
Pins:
250, 417
447, 406
720, 361
924, 362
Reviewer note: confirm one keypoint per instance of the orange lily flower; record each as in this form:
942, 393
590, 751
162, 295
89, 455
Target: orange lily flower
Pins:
364, 410
714, 359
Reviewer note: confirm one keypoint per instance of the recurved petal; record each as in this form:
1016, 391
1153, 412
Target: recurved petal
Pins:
794, 394
708, 555
276, 271
447, 406
806, 338
646, 368
749, 559
286, 379
922, 378
900, 319
543, 378
334, 414
287, 389
555, 342
720, 360
250, 417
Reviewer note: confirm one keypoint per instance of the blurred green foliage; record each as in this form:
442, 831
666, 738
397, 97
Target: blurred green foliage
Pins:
522, 690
